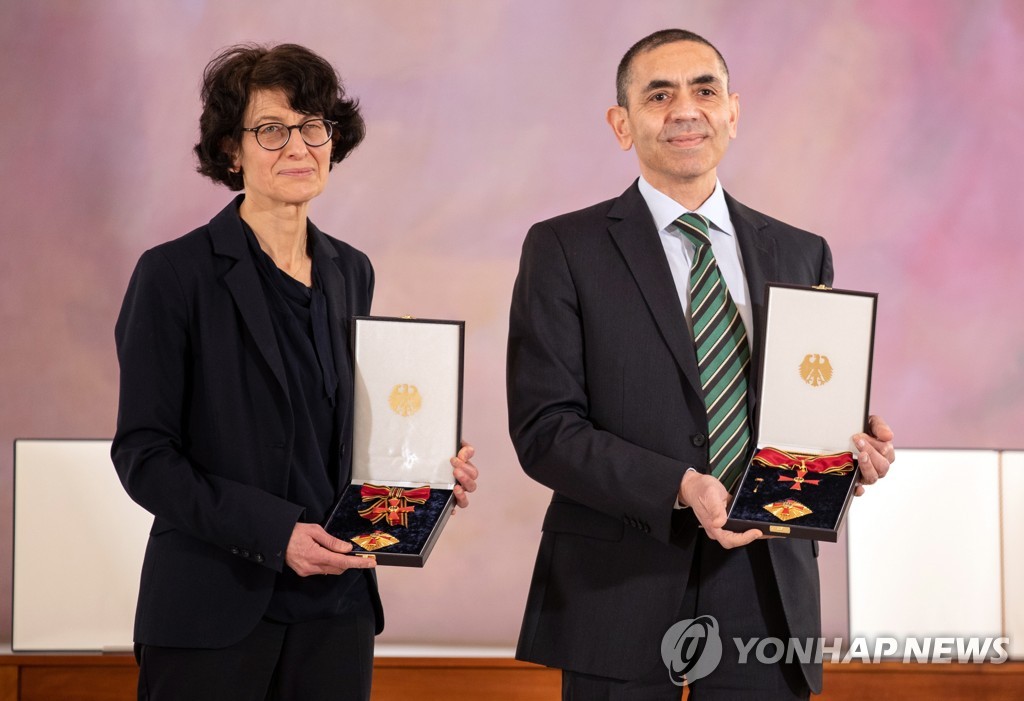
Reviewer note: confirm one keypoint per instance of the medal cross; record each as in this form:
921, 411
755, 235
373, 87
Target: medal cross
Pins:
798, 480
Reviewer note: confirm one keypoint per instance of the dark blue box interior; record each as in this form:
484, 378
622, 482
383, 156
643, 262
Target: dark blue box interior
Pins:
826, 500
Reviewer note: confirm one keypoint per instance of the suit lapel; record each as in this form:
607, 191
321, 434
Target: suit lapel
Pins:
338, 311
760, 265
637, 238
243, 283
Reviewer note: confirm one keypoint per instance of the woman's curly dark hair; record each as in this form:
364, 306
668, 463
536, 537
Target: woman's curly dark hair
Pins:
311, 84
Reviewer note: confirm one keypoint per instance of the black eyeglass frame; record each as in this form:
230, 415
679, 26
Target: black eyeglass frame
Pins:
256, 132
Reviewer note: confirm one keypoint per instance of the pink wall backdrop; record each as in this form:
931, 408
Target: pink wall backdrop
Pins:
893, 127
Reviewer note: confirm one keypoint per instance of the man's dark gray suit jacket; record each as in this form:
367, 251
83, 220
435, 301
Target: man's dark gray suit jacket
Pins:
605, 409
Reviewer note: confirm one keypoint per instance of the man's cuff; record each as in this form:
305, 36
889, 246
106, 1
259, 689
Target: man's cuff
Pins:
680, 505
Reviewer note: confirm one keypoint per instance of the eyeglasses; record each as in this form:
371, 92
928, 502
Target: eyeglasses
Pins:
274, 136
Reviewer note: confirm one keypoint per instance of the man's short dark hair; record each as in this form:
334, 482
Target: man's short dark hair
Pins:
649, 43
310, 83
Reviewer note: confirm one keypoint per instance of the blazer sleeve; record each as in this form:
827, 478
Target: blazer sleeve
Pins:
150, 451
827, 273
557, 444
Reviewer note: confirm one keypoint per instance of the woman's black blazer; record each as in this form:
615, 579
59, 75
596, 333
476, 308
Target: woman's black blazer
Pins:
204, 430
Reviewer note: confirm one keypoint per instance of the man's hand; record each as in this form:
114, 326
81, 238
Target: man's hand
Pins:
312, 550
465, 474
876, 452
709, 499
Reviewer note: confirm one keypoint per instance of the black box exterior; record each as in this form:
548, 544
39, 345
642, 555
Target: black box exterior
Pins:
829, 498
423, 521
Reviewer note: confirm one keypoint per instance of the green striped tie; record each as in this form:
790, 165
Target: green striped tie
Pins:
722, 355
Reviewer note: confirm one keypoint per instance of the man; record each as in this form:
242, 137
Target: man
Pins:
607, 405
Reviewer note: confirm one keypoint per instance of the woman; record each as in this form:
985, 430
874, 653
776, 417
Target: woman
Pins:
235, 415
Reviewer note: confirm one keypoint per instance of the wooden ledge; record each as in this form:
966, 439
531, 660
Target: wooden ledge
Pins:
112, 677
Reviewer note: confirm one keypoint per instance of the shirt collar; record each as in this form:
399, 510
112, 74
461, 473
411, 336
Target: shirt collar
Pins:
666, 210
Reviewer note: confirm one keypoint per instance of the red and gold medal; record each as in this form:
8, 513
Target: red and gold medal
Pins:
787, 509
798, 480
391, 503
375, 541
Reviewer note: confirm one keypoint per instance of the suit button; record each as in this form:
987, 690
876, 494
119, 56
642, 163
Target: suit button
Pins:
234, 550
258, 557
245, 554
699, 439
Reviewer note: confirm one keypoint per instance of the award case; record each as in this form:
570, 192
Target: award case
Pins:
813, 391
407, 425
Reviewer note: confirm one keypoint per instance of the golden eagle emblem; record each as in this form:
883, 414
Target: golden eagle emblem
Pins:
815, 369
405, 400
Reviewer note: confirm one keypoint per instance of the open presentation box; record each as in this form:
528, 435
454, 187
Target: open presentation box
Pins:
407, 426
815, 381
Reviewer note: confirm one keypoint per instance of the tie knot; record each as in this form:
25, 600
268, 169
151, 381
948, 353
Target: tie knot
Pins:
695, 227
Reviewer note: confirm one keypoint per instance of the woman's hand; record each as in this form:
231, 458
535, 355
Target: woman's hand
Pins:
312, 550
465, 474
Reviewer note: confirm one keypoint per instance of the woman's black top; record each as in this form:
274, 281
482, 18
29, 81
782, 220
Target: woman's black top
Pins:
300, 319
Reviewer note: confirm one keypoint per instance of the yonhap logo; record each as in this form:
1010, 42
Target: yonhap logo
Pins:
691, 649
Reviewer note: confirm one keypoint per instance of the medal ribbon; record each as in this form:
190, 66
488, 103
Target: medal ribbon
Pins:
392, 503
832, 464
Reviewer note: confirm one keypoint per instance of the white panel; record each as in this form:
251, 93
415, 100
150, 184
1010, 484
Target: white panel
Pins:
78, 546
1013, 550
924, 548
